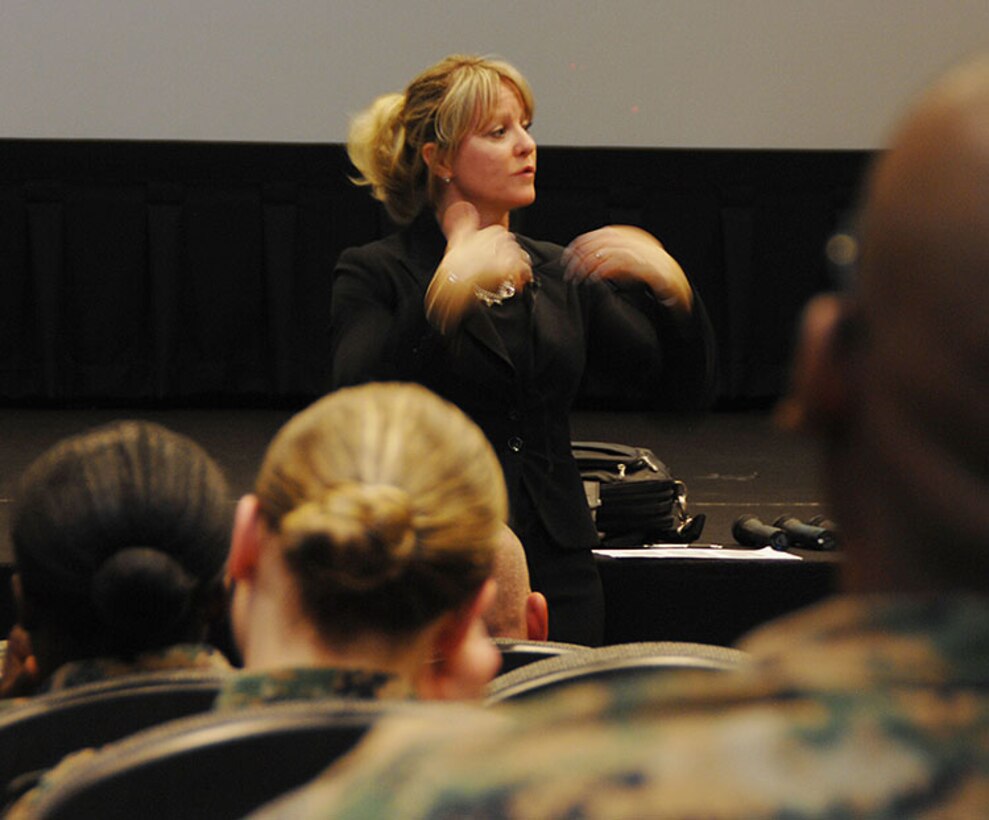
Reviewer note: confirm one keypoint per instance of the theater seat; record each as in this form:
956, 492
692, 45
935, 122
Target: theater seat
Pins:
37, 735
219, 765
608, 662
516, 653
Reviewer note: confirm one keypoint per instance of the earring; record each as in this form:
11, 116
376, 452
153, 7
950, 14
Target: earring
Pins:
446, 180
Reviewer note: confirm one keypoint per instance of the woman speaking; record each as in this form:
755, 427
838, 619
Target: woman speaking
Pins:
502, 325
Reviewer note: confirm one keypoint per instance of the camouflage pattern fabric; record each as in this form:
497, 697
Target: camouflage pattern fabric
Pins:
93, 670
253, 688
857, 707
242, 690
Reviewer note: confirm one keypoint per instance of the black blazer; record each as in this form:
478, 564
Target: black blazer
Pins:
379, 332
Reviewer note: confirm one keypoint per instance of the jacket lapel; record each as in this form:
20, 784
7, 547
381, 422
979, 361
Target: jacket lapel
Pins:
479, 326
426, 246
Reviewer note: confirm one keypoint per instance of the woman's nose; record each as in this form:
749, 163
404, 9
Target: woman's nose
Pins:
526, 144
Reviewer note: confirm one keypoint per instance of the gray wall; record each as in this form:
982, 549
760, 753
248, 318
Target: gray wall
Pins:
659, 73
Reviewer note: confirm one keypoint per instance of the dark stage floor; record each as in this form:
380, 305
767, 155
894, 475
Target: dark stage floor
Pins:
733, 463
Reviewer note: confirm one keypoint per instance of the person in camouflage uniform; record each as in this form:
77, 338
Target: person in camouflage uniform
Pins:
120, 536
362, 561
874, 703
517, 612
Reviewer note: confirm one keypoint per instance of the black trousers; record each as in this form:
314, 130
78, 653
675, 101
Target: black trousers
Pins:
567, 577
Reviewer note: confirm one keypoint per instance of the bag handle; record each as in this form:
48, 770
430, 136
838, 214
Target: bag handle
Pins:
619, 456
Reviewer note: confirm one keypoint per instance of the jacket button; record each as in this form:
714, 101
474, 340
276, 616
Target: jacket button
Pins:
515, 444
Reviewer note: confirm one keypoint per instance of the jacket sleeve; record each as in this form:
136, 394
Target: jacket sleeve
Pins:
636, 345
378, 327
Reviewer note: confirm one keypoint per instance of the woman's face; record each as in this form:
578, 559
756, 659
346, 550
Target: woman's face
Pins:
495, 167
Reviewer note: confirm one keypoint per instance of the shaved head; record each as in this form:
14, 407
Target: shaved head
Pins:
517, 611
506, 618
925, 249
915, 432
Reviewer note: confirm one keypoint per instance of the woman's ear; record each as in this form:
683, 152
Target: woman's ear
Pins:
820, 393
465, 658
245, 543
436, 160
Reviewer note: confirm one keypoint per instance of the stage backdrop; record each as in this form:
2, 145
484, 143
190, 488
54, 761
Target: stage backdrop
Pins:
178, 271
173, 190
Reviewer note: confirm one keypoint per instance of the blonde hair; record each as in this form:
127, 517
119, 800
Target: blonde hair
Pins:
387, 501
444, 104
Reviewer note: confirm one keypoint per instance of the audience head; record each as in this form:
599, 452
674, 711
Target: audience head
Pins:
441, 106
895, 373
120, 536
370, 536
517, 611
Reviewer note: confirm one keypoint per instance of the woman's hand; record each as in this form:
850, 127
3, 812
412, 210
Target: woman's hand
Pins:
476, 260
20, 669
626, 254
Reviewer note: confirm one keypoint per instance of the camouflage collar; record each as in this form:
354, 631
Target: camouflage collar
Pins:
310, 683
92, 670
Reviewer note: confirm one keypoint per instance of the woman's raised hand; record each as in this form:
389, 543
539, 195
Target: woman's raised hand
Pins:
625, 253
477, 261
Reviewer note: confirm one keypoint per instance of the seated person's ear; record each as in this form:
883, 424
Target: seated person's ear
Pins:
20, 676
464, 657
245, 542
536, 617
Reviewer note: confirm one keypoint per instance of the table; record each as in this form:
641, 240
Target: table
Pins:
707, 601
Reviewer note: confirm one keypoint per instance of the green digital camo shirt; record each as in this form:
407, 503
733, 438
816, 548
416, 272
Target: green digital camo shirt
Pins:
241, 690
96, 670
857, 707
308, 683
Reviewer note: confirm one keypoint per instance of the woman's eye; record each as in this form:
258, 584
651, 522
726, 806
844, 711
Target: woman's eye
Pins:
497, 132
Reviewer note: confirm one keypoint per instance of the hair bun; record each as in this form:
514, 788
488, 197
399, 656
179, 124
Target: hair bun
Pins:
141, 592
361, 534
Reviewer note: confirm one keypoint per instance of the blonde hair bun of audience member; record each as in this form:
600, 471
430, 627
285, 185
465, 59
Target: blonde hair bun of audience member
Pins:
443, 105
387, 503
361, 534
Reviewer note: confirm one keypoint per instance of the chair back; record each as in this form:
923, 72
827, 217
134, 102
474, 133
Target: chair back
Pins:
219, 765
516, 653
38, 734
610, 662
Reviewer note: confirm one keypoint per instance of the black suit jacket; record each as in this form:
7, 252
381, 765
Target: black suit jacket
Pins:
379, 332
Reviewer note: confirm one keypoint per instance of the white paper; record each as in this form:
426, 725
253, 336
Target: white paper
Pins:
710, 552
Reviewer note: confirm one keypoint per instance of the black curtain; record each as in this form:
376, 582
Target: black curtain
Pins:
173, 272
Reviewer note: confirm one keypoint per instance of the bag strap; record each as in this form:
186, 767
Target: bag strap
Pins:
606, 448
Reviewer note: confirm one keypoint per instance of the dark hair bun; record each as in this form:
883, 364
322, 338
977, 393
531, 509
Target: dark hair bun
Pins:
140, 593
